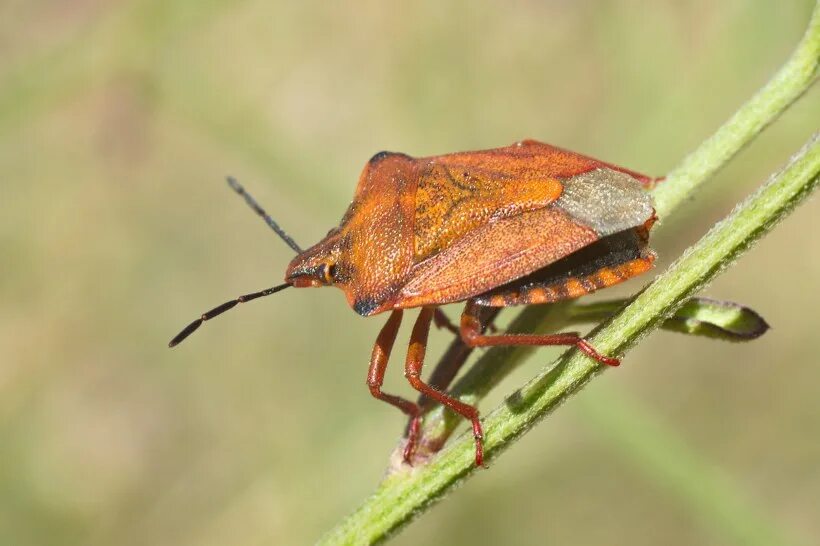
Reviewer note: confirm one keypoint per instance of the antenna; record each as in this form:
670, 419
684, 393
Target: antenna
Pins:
237, 187
218, 310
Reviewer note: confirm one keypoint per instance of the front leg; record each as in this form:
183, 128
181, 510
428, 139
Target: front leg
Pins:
375, 379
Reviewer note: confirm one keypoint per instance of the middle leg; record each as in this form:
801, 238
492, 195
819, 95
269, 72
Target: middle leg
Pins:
412, 370
455, 356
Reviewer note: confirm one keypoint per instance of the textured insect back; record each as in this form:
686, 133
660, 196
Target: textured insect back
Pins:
455, 197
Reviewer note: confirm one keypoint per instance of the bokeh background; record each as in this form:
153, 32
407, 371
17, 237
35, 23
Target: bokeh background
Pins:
118, 121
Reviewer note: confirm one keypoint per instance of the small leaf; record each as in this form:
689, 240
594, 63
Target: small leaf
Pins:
717, 319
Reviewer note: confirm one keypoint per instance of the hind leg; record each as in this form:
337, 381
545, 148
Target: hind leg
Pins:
471, 333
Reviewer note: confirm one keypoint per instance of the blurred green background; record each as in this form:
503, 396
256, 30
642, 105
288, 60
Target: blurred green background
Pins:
118, 121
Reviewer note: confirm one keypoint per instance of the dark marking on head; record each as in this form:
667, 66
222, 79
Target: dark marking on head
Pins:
342, 273
365, 306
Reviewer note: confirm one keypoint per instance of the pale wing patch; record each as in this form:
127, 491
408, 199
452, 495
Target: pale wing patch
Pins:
606, 200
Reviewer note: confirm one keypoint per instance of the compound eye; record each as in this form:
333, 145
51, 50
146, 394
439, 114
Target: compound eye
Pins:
327, 272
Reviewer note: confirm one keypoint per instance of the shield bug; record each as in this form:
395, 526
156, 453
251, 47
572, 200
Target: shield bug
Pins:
525, 224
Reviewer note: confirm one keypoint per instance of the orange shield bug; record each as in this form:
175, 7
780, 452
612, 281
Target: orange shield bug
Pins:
525, 224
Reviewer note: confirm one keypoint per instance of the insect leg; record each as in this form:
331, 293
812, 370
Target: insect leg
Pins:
472, 335
375, 378
412, 370
454, 357
442, 321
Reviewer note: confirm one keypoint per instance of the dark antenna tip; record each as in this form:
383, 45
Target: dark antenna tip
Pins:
187, 331
219, 309
237, 187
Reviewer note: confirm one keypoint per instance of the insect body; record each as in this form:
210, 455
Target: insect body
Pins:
525, 224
